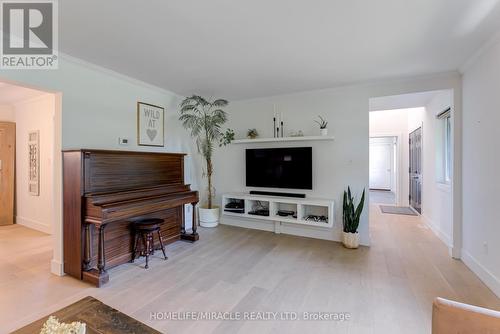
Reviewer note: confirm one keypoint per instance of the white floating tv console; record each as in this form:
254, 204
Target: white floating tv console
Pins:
303, 207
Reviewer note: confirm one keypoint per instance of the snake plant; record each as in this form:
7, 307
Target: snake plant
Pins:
351, 215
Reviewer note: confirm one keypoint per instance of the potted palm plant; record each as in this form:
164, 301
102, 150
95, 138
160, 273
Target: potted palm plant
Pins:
350, 216
204, 120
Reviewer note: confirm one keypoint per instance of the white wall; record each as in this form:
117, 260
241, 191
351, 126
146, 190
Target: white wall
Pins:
436, 196
35, 114
7, 113
481, 196
336, 164
99, 106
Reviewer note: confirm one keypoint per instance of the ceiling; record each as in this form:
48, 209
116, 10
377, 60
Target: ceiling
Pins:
246, 49
12, 94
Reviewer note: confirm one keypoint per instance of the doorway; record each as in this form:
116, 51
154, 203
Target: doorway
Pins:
7, 172
426, 124
383, 169
29, 196
415, 170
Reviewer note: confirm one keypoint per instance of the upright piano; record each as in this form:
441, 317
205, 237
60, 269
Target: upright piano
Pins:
105, 191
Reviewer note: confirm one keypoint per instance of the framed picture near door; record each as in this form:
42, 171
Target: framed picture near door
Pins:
150, 125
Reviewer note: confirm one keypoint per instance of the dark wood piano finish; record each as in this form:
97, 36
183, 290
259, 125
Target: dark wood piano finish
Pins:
104, 191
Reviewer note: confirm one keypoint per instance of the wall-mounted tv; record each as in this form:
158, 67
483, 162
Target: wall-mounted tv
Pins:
289, 167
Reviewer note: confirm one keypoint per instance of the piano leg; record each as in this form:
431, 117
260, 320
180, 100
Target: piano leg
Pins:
194, 235
98, 276
87, 252
101, 260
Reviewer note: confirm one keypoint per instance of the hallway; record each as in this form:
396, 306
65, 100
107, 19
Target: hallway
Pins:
382, 197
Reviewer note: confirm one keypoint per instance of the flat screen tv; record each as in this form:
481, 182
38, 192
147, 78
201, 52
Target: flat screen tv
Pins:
289, 167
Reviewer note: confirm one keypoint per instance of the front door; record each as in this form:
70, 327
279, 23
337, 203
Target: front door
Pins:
416, 170
7, 170
381, 163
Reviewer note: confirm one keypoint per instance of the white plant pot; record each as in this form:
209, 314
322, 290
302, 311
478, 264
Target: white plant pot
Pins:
324, 132
209, 217
350, 240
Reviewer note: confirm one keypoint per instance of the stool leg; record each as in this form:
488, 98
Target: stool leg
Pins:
148, 250
162, 247
136, 241
152, 242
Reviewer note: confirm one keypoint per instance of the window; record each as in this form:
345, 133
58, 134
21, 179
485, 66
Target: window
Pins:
444, 148
447, 149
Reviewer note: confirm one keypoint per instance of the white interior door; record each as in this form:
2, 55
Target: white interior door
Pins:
381, 163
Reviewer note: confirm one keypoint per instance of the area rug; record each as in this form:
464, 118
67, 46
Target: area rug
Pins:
398, 210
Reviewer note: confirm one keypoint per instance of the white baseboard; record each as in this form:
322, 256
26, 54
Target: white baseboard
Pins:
33, 224
333, 234
56, 268
445, 238
484, 274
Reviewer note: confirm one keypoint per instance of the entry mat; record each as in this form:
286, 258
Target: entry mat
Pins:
398, 210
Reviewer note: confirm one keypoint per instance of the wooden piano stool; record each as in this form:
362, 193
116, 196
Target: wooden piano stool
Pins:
144, 231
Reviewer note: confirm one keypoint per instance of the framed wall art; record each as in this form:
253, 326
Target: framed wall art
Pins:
150, 125
34, 162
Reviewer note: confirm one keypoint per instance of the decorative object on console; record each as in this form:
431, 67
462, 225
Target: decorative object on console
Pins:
235, 205
317, 219
322, 126
282, 126
252, 133
286, 213
150, 125
259, 209
274, 122
204, 119
296, 133
350, 217
278, 124
34, 162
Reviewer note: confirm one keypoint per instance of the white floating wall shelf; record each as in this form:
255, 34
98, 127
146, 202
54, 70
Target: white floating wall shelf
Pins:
283, 139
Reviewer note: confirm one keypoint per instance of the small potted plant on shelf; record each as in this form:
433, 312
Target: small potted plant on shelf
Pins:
322, 126
350, 217
252, 133
205, 119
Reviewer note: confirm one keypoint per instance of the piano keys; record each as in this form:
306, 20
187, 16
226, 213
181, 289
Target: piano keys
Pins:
104, 191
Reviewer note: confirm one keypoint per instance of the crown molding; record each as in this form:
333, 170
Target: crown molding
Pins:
118, 75
488, 45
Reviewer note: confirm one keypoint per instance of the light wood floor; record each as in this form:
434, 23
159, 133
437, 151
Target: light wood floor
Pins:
387, 288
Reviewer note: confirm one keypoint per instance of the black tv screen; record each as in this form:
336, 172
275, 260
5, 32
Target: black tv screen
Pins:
289, 167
